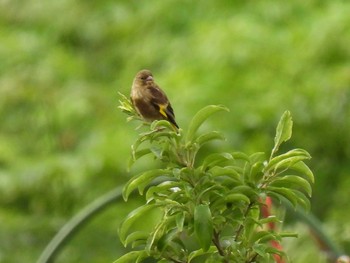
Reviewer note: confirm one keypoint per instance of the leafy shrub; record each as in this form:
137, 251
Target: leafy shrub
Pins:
210, 209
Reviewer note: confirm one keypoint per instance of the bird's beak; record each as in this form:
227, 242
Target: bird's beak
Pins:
149, 78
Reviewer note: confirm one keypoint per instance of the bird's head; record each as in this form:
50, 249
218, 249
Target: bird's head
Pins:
144, 77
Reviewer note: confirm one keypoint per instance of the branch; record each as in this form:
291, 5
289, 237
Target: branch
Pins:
216, 241
241, 226
76, 223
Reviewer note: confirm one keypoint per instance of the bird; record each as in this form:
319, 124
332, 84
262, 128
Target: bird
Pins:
149, 100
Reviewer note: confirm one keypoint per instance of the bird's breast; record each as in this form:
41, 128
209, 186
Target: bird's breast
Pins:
136, 94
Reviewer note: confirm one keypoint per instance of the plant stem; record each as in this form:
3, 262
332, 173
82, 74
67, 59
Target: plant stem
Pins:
253, 258
67, 232
216, 241
175, 260
241, 226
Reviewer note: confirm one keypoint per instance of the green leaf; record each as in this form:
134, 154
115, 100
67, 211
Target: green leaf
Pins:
241, 156
287, 157
200, 117
287, 163
141, 181
209, 190
126, 105
303, 169
287, 193
269, 219
288, 234
137, 155
256, 172
275, 251
260, 250
156, 234
246, 190
180, 220
228, 171
215, 159
236, 197
256, 166
141, 139
201, 252
157, 151
138, 243
288, 181
159, 135
251, 221
136, 236
270, 237
303, 201
162, 189
291, 196
158, 124
257, 157
283, 131
203, 226
136, 216
170, 242
262, 236
207, 137
133, 256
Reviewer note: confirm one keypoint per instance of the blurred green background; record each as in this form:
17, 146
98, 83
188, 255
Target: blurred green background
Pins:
63, 142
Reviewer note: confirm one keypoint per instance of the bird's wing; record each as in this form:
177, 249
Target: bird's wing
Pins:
160, 100
158, 96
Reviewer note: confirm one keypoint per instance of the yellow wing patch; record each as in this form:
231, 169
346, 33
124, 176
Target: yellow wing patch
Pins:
162, 108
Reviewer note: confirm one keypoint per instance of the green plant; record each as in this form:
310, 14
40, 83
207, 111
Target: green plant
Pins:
209, 208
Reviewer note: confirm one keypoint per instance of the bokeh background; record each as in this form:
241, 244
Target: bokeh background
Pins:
63, 141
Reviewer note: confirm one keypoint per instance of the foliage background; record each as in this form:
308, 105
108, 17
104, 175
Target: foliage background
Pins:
63, 142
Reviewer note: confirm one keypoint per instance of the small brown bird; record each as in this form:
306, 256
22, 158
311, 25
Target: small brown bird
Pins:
149, 100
